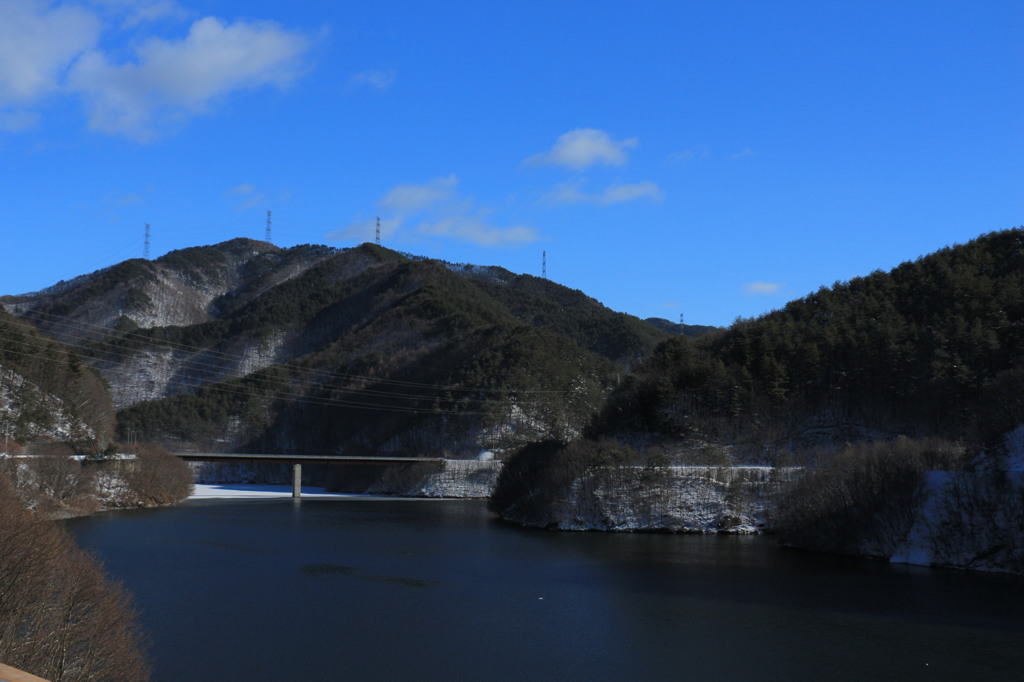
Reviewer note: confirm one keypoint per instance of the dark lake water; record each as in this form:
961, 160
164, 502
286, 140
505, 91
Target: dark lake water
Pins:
390, 590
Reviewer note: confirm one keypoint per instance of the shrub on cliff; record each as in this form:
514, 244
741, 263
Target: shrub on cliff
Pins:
536, 481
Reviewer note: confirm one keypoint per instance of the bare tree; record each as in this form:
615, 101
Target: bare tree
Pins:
60, 618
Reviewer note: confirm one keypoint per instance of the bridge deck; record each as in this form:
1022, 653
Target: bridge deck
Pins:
302, 459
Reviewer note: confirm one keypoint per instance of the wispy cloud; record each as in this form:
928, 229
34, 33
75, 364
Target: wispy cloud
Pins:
244, 188
435, 209
472, 228
572, 193
128, 199
247, 196
18, 121
699, 152
411, 198
742, 154
145, 11
762, 288
379, 79
584, 147
364, 230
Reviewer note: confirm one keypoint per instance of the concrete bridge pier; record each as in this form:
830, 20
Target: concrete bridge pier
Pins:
296, 480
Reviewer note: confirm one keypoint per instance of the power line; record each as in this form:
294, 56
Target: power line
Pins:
145, 248
116, 349
238, 390
285, 387
268, 227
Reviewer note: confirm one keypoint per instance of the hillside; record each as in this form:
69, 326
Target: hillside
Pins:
243, 345
933, 348
48, 393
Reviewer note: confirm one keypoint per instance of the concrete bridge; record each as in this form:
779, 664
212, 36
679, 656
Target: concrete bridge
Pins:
298, 460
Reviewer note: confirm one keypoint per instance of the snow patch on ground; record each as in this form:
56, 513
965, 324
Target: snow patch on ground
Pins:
916, 547
254, 491
1015, 449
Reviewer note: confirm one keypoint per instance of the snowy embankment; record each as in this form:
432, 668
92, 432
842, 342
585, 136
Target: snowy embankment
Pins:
972, 519
688, 499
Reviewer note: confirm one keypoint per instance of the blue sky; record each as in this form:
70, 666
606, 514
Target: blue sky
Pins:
710, 159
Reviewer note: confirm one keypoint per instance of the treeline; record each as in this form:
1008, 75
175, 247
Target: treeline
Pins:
934, 347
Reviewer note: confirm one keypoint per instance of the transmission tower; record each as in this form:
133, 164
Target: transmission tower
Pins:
544, 265
268, 227
145, 244
378, 231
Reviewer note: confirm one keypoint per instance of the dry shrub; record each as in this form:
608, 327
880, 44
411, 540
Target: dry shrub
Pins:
60, 618
157, 477
864, 498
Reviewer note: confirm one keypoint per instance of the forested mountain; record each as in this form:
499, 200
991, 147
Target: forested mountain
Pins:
244, 345
247, 346
934, 347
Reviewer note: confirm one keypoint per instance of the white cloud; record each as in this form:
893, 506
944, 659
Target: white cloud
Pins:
743, 153
413, 198
762, 288
50, 49
434, 209
382, 80
36, 44
571, 193
173, 78
584, 147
